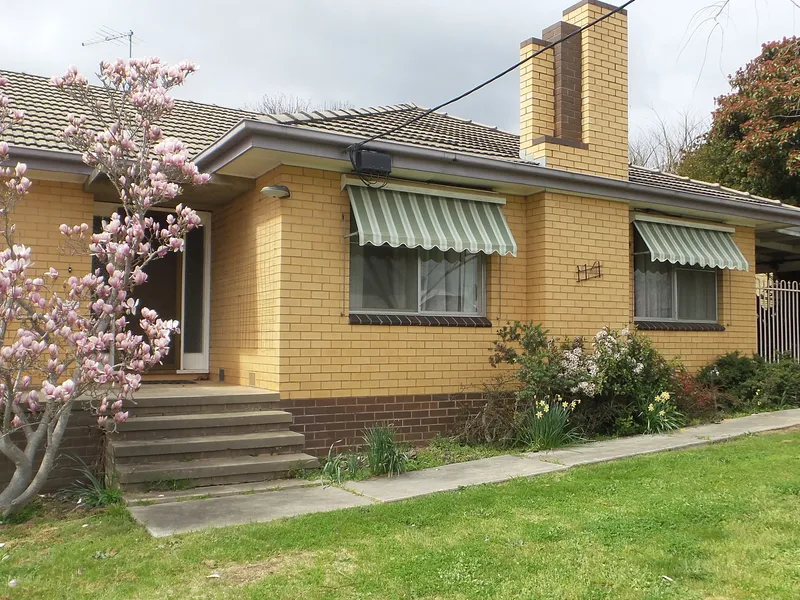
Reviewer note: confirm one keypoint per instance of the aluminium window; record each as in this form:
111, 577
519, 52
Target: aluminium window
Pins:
668, 292
387, 280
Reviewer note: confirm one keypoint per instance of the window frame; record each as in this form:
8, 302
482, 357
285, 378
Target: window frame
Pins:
673, 269
482, 289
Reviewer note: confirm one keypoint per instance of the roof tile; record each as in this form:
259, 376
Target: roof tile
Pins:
200, 125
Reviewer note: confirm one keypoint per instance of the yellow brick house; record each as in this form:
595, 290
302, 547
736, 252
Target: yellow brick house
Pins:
361, 296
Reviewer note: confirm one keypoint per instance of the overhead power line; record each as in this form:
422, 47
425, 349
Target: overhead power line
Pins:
550, 46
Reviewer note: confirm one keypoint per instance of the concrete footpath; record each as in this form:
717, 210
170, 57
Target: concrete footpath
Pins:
258, 503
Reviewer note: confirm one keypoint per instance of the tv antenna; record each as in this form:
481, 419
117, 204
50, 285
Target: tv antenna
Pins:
108, 35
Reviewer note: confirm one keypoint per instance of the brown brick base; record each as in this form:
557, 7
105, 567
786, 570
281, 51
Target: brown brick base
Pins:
417, 419
82, 439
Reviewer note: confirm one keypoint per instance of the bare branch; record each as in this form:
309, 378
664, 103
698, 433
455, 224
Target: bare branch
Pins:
664, 144
271, 104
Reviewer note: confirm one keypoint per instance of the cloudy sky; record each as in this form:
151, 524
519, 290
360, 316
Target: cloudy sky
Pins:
372, 52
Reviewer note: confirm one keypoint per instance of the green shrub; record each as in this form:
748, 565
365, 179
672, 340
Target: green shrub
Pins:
628, 371
334, 465
91, 488
546, 425
337, 467
735, 375
777, 384
622, 370
383, 455
659, 415
696, 399
751, 383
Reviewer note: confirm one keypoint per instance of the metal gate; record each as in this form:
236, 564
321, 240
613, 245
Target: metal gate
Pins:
778, 309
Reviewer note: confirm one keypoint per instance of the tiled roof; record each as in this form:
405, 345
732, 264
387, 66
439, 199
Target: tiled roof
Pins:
669, 181
200, 125
46, 109
435, 130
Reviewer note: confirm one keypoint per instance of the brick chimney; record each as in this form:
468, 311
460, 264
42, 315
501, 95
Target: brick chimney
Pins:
574, 98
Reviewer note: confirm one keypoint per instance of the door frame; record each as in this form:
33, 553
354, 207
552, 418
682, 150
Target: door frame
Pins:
198, 362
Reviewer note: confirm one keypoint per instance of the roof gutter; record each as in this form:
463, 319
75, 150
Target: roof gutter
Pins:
49, 160
297, 140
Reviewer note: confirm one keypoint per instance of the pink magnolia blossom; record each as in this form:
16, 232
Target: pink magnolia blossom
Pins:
70, 339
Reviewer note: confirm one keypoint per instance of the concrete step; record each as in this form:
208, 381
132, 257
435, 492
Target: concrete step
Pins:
201, 424
154, 400
213, 471
217, 491
207, 446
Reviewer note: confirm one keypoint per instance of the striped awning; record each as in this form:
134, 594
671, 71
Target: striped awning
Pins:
429, 221
691, 246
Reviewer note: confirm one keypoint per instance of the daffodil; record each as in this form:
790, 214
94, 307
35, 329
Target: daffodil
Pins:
661, 413
666, 396
546, 408
538, 414
651, 408
564, 404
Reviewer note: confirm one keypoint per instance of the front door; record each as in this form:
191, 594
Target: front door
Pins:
161, 293
178, 287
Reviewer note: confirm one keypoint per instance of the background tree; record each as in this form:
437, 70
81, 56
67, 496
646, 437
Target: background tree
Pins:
665, 144
75, 345
754, 140
270, 104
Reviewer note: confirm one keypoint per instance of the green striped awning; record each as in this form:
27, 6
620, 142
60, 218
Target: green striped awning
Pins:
429, 221
691, 246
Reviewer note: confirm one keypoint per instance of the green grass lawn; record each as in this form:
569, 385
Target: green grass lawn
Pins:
722, 521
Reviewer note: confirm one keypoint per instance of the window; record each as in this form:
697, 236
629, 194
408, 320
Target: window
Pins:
415, 281
667, 292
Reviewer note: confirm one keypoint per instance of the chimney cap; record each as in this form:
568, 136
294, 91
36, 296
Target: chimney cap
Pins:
597, 3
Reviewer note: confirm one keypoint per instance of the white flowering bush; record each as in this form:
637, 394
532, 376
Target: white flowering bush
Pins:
616, 379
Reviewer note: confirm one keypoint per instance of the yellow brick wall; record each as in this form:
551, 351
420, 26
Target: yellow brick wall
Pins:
737, 312
245, 288
567, 231
280, 295
604, 97
322, 355
38, 216
536, 102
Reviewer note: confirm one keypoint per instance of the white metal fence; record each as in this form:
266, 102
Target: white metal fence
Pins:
778, 309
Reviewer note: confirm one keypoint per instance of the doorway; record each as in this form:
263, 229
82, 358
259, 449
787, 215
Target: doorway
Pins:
178, 287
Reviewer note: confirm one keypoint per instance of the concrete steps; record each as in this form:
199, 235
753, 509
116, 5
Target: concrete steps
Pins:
213, 471
204, 435
207, 446
178, 401
191, 425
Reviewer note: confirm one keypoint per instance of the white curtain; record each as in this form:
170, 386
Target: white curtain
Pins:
450, 282
653, 295
697, 295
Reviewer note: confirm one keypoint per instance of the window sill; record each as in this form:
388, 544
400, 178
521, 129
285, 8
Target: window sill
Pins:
677, 326
424, 320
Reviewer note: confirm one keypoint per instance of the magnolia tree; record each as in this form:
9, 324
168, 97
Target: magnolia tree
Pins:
69, 341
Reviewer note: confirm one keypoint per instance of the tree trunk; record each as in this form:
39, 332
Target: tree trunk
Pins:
25, 483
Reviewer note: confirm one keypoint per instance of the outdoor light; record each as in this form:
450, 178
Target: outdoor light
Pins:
275, 191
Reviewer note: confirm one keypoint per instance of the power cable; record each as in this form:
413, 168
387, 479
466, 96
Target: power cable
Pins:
358, 145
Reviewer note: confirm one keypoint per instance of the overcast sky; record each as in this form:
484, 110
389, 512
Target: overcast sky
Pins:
372, 52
